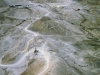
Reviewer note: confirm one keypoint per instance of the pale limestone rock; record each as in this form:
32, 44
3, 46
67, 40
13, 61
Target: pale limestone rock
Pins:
67, 37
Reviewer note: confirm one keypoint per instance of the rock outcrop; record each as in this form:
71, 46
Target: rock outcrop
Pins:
47, 26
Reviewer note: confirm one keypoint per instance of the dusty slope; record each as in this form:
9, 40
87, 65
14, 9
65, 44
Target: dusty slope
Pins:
66, 34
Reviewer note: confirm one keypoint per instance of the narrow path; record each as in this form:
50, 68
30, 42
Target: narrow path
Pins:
21, 60
47, 58
45, 53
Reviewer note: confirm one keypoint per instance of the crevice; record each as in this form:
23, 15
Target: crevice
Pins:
89, 33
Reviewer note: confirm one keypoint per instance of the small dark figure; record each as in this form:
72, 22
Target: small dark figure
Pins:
35, 51
18, 5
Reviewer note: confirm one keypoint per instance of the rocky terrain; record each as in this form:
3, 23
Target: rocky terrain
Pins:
49, 37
